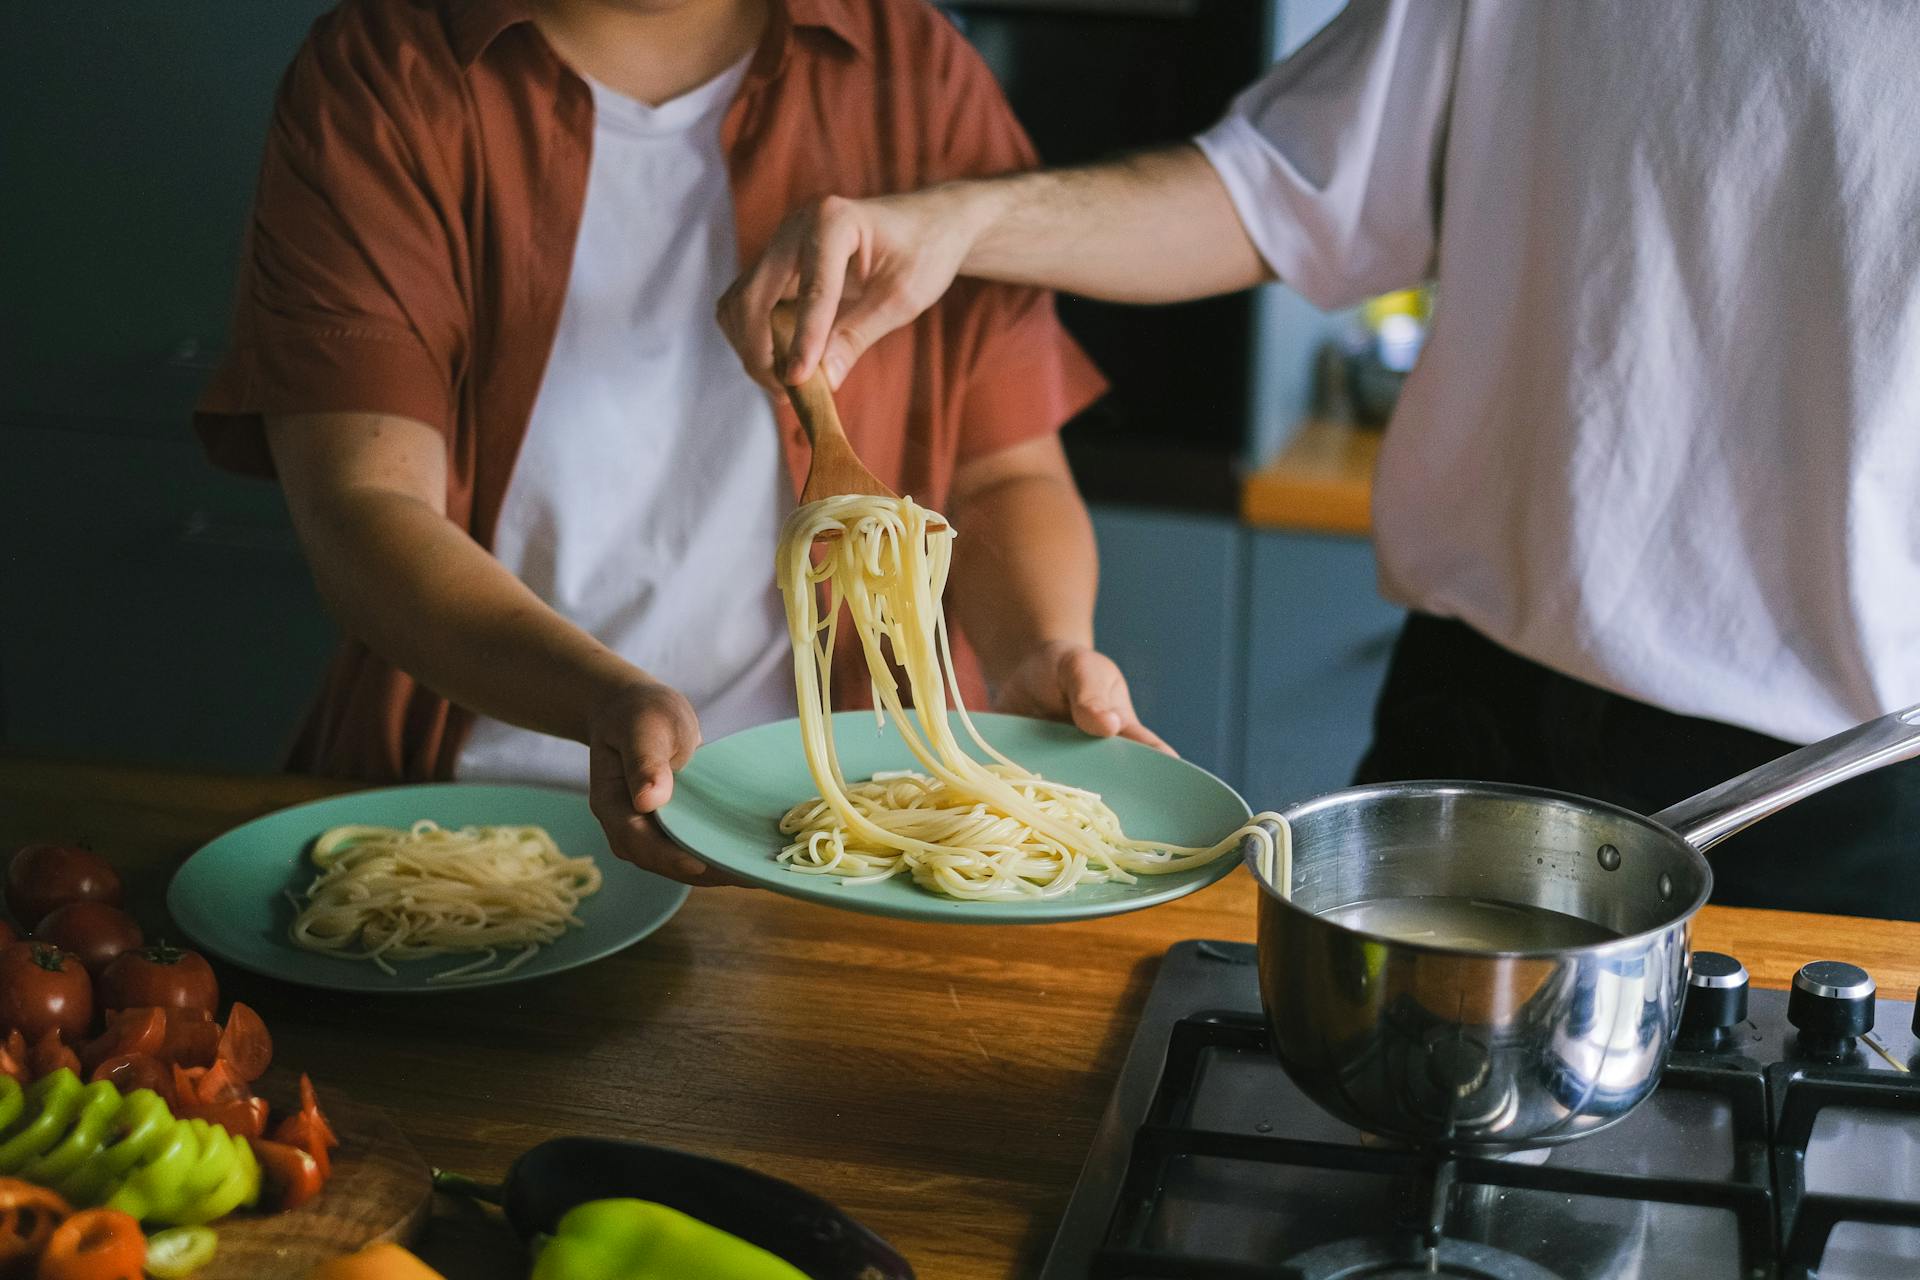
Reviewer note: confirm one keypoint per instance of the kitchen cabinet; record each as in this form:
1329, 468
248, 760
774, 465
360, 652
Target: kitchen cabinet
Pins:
1256, 652
1170, 608
156, 609
1318, 639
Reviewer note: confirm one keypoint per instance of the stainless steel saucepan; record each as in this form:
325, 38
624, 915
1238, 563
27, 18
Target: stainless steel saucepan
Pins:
1461, 1045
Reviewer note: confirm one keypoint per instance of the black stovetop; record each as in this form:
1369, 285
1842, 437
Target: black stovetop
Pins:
1752, 1163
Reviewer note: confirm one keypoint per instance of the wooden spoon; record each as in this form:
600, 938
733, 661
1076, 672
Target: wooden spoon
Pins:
835, 468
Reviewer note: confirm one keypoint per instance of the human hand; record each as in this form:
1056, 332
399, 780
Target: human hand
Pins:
640, 732
1077, 683
858, 270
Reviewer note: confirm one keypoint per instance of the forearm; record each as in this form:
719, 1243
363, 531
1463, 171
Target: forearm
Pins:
421, 593
1025, 571
1156, 227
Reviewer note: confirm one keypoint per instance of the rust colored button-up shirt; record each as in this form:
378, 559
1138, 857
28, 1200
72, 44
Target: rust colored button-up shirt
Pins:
413, 233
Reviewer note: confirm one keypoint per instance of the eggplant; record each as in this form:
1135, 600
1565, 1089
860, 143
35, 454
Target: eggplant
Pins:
777, 1216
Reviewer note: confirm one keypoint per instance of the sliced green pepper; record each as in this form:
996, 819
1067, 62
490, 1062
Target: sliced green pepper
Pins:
99, 1104
241, 1185
51, 1104
136, 1133
640, 1240
156, 1184
177, 1253
211, 1169
12, 1099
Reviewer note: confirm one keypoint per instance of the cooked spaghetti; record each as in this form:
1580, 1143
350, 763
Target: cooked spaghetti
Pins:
387, 893
957, 826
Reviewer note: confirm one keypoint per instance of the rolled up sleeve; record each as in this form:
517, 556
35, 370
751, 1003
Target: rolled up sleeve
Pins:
1333, 158
348, 296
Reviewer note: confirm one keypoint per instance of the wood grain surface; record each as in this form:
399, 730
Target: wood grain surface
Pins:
941, 1083
380, 1190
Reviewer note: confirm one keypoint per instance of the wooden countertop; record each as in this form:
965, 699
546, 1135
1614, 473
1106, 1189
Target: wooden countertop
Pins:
876, 1062
1321, 482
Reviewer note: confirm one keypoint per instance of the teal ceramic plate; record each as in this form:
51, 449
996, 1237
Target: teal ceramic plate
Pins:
727, 804
230, 897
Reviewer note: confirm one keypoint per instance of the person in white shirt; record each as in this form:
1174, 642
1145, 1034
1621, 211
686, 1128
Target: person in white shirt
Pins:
1650, 493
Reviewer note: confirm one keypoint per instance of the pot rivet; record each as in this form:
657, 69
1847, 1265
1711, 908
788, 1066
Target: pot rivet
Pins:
1609, 857
1666, 886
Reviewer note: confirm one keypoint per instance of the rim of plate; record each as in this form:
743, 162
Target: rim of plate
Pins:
375, 982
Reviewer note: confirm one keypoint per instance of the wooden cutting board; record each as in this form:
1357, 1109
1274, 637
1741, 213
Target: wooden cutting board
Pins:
380, 1190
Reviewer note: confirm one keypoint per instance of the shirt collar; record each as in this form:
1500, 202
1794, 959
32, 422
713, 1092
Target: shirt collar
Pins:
475, 24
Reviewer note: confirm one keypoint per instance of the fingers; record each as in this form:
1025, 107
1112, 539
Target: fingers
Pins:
824, 255
633, 836
744, 309
883, 306
1100, 702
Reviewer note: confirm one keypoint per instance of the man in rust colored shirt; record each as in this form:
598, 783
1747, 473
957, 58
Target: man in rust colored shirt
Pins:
474, 341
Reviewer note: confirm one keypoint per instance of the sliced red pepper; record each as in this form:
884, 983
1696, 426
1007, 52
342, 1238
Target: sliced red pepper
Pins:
130, 1071
128, 1031
13, 1057
242, 1117
291, 1176
244, 1044
50, 1053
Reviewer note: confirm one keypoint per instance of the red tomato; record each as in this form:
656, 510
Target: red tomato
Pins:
193, 1038
13, 1061
92, 932
308, 1130
167, 977
49, 1054
130, 1071
43, 877
241, 1117
291, 1176
42, 989
142, 1031
245, 1046
8, 933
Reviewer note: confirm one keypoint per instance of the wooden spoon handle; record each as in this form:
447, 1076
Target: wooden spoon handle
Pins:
813, 399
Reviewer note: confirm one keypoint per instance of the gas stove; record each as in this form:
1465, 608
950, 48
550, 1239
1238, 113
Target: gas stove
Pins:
1783, 1142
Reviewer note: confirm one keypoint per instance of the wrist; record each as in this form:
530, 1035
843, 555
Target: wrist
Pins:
974, 210
606, 678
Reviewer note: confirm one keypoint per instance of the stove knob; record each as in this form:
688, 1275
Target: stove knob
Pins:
1831, 1003
1716, 1000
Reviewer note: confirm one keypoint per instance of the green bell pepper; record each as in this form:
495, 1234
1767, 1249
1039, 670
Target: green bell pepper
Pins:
12, 1099
138, 1131
640, 1240
52, 1102
154, 1187
99, 1104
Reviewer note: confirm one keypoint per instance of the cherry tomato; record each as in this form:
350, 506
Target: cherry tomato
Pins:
92, 932
167, 977
246, 1118
42, 989
308, 1129
8, 933
94, 1244
44, 877
49, 1054
290, 1177
130, 1071
244, 1045
13, 1060
128, 1031
192, 1038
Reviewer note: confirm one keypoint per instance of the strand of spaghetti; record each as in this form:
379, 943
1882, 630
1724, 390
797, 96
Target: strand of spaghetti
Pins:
956, 825
386, 894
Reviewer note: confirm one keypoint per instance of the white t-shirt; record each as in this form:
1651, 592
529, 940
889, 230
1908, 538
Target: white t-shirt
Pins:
1665, 434
649, 493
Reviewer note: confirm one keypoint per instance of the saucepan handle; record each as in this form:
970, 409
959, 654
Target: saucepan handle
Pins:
1713, 815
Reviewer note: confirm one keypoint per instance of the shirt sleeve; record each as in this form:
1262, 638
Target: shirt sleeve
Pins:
348, 297
1333, 158
1023, 375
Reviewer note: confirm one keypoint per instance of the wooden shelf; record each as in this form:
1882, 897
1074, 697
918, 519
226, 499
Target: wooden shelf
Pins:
1322, 482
